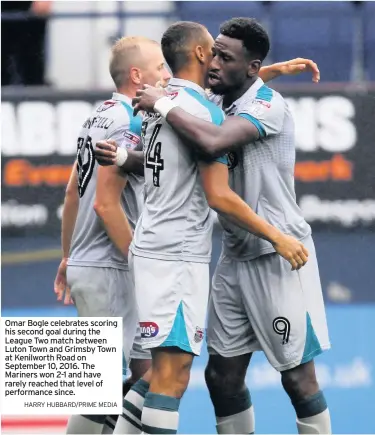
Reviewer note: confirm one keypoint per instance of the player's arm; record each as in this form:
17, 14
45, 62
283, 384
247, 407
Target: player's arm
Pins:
106, 154
222, 199
135, 161
111, 181
209, 138
290, 67
68, 221
70, 211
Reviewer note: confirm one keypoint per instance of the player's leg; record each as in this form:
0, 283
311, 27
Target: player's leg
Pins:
230, 343
172, 301
170, 377
308, 400
287, 314
134, 391
87, 293
225, 379
137, 387
123, 304
300, 382
101, 292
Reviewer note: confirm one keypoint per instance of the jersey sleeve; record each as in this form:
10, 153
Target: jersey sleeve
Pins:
218, 117
266, 111
125, 137
127, 133
208, 111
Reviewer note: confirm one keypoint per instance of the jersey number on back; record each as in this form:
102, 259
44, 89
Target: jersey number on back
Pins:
85, 163
153, 155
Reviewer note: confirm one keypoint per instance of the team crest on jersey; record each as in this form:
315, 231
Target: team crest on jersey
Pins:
232, 160
198, 336
149, 329
256, 109
106, 105
131, 137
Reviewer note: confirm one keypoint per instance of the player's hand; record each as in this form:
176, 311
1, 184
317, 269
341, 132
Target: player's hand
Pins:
292, 250
60, 284
146, 98
41, 8
299, 65
105, 152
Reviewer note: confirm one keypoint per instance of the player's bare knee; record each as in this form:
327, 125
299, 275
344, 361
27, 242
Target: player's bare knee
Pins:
172, 380
220, 378
139, 367
300, 382
171, 374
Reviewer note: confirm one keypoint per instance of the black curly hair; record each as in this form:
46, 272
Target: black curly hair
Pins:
252, 34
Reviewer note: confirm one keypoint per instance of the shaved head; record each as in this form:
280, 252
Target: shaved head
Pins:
130, 52
179, 41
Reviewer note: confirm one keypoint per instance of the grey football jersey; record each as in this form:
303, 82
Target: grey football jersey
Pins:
176, 222
262, 173
91, 245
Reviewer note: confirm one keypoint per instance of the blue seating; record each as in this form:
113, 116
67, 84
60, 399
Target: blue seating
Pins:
368, 14
212, 14
322, 31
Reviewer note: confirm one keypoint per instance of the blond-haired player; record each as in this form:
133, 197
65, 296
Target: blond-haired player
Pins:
101, 208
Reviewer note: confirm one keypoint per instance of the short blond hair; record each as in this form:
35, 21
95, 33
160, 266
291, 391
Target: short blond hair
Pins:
125, 54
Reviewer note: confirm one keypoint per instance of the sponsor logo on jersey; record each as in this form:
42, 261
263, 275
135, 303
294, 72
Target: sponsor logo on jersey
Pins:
198, 336
132, 137
106, 105
151, 115
263, 103
149, 329
172, 95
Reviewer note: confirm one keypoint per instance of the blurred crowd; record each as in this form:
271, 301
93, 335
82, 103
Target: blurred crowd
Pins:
23, 43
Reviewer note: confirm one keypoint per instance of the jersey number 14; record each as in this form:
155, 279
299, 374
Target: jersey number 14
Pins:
153, 154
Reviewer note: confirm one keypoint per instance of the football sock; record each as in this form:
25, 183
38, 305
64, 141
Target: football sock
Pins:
130, 420
234, 414
313, 415
160, 414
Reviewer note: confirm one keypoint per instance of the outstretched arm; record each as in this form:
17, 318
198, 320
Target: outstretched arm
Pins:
221, 198
213, 140
290, 67
258, 118
210, 139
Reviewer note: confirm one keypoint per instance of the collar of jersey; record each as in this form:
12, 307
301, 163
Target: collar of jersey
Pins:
181, 83
121, 97
251, 92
